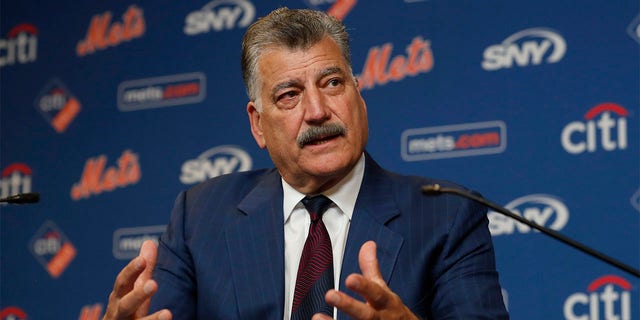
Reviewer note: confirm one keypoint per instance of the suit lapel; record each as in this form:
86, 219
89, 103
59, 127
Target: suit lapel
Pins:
374, 208
255, 239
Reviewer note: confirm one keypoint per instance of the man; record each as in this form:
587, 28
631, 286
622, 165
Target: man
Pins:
233, 245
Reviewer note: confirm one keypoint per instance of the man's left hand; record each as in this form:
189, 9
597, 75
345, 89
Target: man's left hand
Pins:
381, 302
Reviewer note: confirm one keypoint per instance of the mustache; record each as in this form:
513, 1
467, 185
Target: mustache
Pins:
319, 132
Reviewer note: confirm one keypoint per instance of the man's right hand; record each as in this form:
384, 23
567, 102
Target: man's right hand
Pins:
134, 287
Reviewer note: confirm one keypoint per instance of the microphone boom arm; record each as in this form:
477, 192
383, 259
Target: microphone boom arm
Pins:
436, 189
22, 198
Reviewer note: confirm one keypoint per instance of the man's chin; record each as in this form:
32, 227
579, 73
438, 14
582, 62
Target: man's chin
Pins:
329, 166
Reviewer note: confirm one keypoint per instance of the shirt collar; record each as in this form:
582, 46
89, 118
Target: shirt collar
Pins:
344, 194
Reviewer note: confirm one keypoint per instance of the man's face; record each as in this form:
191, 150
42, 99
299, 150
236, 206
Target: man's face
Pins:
313, 120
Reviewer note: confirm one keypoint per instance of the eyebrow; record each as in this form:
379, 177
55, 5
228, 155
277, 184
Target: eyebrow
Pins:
330, 71
283, 85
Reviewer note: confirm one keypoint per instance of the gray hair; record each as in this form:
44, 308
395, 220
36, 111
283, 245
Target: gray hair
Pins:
291, 29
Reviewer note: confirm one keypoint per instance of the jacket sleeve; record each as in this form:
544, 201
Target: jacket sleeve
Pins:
174, 268
466, 281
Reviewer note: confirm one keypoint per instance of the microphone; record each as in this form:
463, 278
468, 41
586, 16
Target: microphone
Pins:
435, 189
22, 198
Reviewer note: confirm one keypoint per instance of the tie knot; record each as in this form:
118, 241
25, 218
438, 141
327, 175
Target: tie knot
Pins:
316, 206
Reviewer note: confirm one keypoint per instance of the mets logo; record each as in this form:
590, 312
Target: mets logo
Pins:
336, 8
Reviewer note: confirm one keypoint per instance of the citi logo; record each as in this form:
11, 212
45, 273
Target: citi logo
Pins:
16, 178
215, 162
598, 128
219, 15
336, 8
380, 68
607, 297
52, 249
20, 46
58, 105
527, 47
12, 313
542, 209
128, 241
460, 140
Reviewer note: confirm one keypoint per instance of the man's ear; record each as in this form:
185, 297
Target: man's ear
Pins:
256, 125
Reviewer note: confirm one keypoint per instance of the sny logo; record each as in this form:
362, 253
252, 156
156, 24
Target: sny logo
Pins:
601, 301
103, 34
378, 70
634, 28
635, 200
538, 208
97, 179
612, 133
220, 15
527, 47
214, 162
16, 178
21, 45
52, 249
57, 105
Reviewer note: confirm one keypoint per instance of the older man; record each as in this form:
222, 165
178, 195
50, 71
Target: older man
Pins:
256, 245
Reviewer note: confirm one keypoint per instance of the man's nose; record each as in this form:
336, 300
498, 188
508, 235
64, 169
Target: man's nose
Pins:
315, 106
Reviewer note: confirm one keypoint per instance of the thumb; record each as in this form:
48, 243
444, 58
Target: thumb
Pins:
368, 261
149, 251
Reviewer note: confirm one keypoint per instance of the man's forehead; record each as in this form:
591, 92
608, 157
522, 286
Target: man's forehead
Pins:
285, 69
326, 49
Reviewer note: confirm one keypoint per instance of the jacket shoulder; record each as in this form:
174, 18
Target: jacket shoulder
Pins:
229, 188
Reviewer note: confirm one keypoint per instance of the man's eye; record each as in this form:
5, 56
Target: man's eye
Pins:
288, 94
334, 82
287, 100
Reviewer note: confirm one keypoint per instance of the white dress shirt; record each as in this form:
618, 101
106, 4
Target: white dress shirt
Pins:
337, 219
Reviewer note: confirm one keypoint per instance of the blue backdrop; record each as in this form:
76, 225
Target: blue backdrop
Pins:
109, 109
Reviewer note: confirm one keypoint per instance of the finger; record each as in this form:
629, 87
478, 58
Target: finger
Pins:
379, 297
126, 278
160, 315
149, 251
352, 307
137, 301
321, 316
368, 261
163, 315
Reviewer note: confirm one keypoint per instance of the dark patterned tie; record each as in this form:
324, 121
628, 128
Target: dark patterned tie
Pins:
315, 273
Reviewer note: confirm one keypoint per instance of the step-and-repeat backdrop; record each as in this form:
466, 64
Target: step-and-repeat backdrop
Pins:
110, 108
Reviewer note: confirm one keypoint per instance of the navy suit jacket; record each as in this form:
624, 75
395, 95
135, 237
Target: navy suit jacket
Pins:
222, 255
